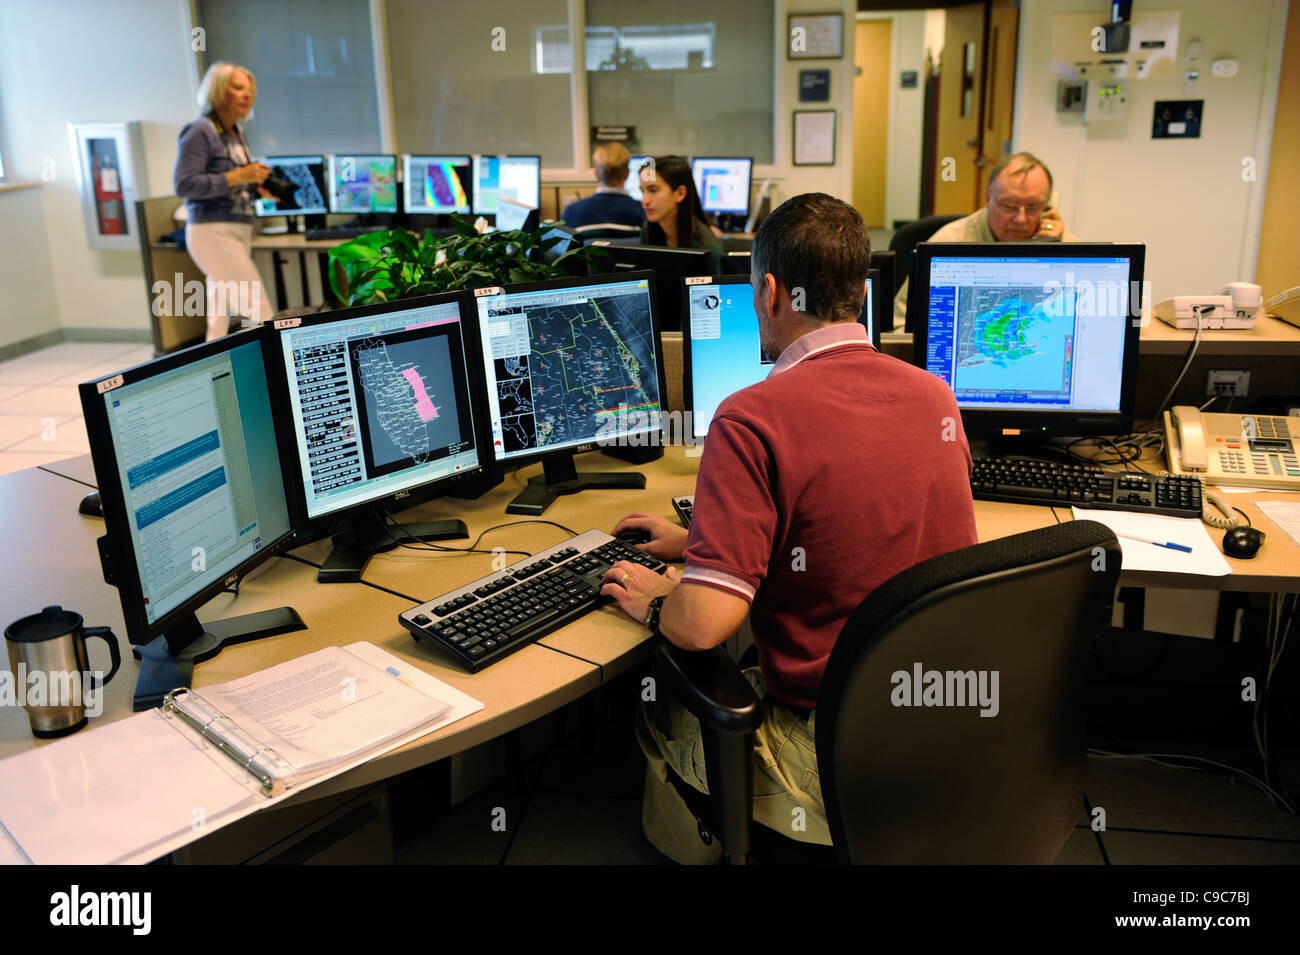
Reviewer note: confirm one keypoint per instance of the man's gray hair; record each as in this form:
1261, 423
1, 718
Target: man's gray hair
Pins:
1019, 164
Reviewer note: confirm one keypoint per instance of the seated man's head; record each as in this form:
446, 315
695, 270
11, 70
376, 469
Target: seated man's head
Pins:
610, 160
808, 268
1019, 189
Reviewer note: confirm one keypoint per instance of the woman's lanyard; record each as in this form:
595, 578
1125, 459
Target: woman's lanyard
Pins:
238, 135
249, 193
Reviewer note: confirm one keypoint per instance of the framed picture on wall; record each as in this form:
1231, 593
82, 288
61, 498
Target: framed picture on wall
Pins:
814, 137
108, 162
815, 36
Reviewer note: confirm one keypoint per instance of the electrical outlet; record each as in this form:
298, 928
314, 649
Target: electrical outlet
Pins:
1222, 382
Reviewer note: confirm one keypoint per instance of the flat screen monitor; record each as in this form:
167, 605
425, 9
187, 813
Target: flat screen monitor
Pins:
670, 265
877, 308
513, 215
722, 351
570, 364
723, 183
363, 184
514, 177
385, 410
188, 464
437, 185
1036, 340
884, 263
633, 185
307, 176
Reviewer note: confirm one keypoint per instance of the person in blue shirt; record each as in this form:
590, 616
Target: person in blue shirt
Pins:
611, 203
674, 215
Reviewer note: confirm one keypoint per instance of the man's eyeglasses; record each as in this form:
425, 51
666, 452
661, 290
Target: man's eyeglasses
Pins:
1031, 210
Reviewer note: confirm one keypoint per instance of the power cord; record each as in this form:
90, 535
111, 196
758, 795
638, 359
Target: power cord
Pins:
473, 547
1168, 759
1187, 361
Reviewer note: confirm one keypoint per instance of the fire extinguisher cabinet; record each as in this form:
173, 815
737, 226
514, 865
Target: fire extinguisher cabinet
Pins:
110, 173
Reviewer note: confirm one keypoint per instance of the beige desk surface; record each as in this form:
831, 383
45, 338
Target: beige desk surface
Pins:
52, 559
1270, 336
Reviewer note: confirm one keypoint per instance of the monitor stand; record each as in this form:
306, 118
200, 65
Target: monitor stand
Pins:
367, 533
560, 476
167, 662
1026, 446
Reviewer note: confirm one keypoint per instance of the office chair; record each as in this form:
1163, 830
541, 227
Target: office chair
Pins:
906, 238
918, 784
608, 230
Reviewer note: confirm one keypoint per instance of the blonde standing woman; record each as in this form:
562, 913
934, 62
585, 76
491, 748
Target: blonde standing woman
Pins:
219, 183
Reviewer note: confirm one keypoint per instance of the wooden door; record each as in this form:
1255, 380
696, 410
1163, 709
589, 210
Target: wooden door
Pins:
871, 118
999, 90
956, 174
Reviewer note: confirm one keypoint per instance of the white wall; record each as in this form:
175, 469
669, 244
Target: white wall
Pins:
1186, 199
838, 179
65, 61
29, 307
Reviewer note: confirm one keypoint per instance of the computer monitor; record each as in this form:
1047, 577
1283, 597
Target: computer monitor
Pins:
1036, 340
512, 215
188, 464
876, 309
437, 185
723, 183
670, 265
307, 176
884, 263
385, 409
515, 177
363, 184
633, 184
722, 352
571, 364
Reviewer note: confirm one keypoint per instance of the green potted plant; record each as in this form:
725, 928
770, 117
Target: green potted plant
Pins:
396, 264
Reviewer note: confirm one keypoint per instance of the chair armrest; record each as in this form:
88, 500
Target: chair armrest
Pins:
711, 687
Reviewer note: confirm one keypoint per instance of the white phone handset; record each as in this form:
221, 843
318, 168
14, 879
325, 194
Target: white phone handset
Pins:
1191, 438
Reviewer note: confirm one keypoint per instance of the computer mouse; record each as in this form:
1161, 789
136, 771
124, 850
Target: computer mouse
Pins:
1243, 542
633, 536
91, 506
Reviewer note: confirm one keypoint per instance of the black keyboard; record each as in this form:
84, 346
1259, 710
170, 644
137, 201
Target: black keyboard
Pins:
496, 615
685, 507
341, 232
1025, 481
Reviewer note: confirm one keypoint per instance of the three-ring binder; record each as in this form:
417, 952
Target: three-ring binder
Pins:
250, 759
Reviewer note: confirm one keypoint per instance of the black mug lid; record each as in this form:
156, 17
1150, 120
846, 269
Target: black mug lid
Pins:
49, 623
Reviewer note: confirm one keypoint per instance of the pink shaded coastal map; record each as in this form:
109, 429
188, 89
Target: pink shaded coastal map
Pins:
423, 403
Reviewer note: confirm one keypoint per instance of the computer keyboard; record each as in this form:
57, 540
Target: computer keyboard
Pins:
341, 232
685, 507
496, 615
1026, 481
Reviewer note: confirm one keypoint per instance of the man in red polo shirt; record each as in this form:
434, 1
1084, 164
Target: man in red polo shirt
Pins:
839, 470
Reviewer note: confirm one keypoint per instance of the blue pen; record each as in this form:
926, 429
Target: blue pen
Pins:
1172, 546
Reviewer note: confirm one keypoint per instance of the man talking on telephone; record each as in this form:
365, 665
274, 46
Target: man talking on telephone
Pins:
1019, 209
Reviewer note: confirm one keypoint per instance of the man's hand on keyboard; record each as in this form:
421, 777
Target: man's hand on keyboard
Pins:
632, 585
667, 540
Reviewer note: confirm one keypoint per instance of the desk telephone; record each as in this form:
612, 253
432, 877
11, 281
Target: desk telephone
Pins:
1229, 449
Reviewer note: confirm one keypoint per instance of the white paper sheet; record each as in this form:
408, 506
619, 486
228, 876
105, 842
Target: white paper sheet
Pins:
1285, 514
1205, 557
